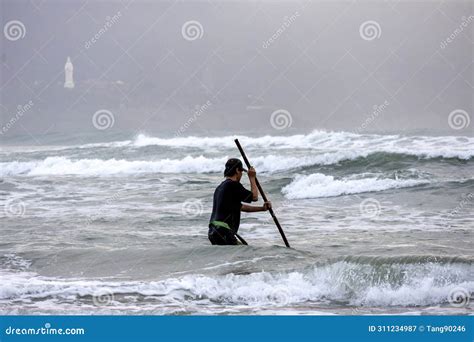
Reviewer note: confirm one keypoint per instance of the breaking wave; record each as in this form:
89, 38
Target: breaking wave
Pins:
318, 185
421, 146
352, 282
62, 165
317, 141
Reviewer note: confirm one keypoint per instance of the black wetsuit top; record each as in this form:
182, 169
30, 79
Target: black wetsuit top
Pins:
228, 198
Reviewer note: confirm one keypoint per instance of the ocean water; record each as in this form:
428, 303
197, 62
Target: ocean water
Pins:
378, 224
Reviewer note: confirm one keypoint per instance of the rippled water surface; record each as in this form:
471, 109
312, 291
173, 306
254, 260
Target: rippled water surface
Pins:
378, 224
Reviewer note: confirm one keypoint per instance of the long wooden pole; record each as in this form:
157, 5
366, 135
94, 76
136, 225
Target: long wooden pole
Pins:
282, 233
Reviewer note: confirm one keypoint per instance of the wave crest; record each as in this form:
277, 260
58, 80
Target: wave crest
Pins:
319, 185
393, 284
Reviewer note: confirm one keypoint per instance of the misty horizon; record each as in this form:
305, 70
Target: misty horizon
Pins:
151, 67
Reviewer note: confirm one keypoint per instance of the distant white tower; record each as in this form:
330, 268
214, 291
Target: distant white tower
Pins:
68, 71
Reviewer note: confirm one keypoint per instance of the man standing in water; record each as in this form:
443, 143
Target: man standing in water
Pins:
227, 203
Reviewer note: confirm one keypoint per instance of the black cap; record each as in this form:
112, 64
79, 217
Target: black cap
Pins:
232, 165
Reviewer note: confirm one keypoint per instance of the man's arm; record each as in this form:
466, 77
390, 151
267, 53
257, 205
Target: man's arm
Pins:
253, 184
250, 208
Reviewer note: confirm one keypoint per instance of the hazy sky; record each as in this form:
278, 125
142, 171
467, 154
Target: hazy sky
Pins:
275, 67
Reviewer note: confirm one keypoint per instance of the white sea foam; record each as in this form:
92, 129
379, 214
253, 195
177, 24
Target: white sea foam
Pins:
422, 146
318, 185
322, 141
99, 167
316, 148
188, 164
317, 141
354, 284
